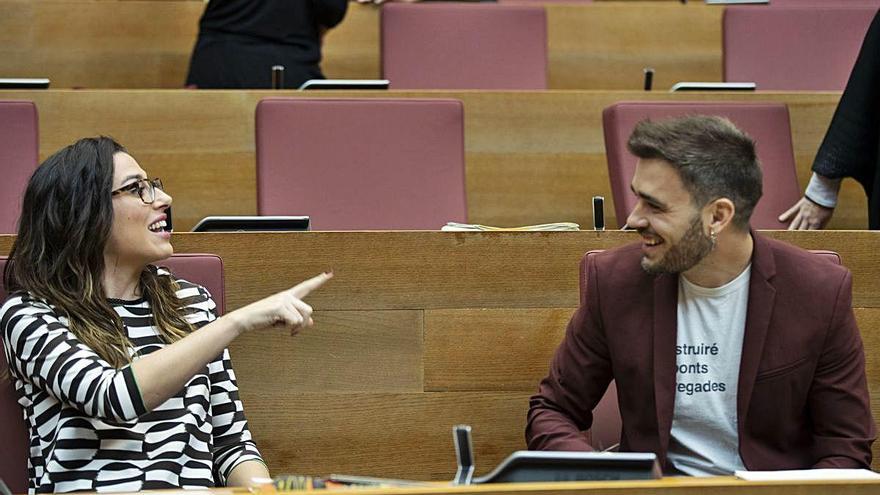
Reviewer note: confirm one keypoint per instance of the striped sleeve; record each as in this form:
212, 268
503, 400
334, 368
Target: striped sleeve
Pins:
233, 443
43, 351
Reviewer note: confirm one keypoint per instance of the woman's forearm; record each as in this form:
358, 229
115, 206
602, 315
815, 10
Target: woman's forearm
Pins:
163, 373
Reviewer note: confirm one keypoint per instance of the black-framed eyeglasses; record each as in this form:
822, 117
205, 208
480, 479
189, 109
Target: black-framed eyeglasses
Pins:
144, 188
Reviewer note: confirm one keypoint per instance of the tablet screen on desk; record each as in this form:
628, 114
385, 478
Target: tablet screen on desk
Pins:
252, 224
345, 84
23, 83
537, 466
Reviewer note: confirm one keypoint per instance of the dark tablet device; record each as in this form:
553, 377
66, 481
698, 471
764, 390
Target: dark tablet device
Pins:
713, 86
252, 224
24, 83
526, 466
345, 84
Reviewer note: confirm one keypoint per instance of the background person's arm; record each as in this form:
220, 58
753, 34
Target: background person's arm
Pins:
814, 210
329, 13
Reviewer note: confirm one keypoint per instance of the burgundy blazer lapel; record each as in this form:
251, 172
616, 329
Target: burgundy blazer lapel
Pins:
665, 324
762, 295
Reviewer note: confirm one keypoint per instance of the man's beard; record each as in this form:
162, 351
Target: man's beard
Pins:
683, 255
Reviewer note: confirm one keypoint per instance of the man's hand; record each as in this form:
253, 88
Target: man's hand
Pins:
807, 215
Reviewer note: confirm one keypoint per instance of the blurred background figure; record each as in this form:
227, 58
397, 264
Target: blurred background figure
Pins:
850, 147
240, 40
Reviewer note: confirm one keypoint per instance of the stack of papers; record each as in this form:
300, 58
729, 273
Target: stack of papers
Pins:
808, 474
466, 227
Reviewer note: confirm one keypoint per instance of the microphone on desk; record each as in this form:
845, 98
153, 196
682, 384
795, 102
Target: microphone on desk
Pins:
464, 454
598, 213
277, 77
649, 78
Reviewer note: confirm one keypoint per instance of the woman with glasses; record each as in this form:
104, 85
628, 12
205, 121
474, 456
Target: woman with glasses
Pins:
121, 369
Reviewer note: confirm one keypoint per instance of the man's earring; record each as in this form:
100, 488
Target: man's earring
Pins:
713, 237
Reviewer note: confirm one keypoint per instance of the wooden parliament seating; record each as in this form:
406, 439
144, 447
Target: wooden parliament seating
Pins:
604, 45
19, 149
419, 331
530, 157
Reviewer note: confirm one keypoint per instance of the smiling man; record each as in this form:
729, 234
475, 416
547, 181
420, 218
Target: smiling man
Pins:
730, 350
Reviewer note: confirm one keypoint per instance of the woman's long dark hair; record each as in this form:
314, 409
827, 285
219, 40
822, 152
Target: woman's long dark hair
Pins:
58, 255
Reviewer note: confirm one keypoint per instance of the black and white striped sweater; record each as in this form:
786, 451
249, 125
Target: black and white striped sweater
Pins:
89, 428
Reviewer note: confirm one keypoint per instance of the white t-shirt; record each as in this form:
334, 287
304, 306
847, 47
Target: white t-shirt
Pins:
711, 324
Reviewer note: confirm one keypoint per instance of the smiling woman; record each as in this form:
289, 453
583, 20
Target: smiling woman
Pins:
122, 369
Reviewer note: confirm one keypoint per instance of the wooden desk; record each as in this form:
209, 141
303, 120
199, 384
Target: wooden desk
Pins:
531, 156
419, 331
665, 486
148, 43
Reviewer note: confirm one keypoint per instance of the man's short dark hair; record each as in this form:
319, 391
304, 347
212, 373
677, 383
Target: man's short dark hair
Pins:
713, 158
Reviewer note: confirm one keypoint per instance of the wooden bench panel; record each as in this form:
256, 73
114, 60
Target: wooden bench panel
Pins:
491, 349
453, 270
419, 331
346, 351
426, 270
531, 157
392, 435
607, 46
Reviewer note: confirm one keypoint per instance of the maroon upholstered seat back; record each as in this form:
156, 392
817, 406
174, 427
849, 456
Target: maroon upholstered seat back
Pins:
464, 46
794, 48
19, 154
607, 424
13, 432
203, 269
362, 164
767, 123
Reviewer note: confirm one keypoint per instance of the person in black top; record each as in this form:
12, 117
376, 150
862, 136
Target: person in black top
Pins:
851, 147
240, 40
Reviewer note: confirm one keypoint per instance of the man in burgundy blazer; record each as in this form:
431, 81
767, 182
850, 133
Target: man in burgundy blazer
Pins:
801, 400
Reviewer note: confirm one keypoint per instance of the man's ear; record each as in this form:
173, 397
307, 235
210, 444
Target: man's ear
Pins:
721, 212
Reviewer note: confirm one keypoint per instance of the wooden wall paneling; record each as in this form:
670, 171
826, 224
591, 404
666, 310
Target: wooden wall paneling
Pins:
99, 44
491, 349
453, 270
351, 49
346, 351
403, 270
392, 435
607, 45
